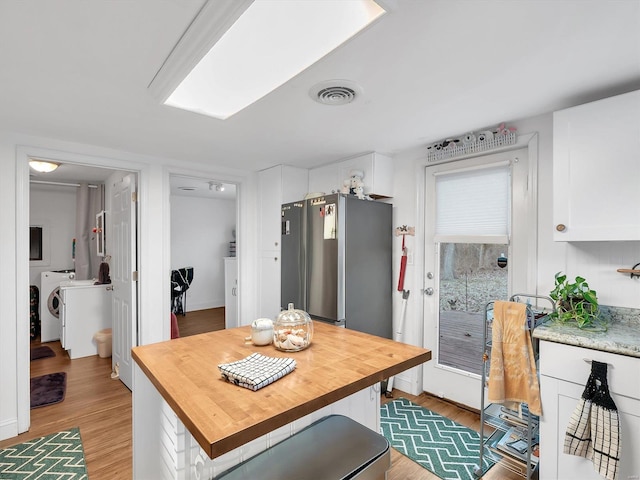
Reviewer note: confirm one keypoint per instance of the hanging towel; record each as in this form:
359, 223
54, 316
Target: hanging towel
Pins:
594, 427
103, 274
512, 372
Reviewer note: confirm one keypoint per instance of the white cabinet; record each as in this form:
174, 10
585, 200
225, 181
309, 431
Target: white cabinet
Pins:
377, 169
85, 310
269, 287
230, 292
596, 170
563, 375
276, 185
378, 173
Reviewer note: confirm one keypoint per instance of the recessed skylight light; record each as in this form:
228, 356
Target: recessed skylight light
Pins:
270, 43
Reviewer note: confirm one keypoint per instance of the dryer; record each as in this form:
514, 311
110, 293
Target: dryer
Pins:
50, 303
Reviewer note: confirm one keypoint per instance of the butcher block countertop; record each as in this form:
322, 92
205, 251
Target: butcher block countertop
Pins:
222, 416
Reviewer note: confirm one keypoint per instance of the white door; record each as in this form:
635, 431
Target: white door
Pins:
469, 227
121, 245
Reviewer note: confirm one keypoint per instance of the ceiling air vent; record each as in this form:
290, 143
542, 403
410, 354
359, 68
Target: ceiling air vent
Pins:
335, 92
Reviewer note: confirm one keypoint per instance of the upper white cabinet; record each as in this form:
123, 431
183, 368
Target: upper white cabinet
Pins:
377, 169
596, 170
277, 185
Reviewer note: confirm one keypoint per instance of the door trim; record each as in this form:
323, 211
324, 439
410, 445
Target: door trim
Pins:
23, 152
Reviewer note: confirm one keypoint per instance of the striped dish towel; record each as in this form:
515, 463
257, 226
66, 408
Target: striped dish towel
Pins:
256, 370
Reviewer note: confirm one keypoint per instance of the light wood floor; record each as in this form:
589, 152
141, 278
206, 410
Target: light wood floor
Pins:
101, 408
201, 321
98, 405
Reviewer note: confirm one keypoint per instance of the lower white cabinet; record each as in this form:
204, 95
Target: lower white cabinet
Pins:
230, 292
85, 310
563, 375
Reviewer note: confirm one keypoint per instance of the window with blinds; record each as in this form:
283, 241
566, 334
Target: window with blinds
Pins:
473, 203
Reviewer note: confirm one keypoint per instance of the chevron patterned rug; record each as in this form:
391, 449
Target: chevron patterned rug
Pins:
442, 446
56, 456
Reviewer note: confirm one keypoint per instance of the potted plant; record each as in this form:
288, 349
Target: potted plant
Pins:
576, 302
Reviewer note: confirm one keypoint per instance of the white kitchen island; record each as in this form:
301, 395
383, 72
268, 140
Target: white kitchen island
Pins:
189, 423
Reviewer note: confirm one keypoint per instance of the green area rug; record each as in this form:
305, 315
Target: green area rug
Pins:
58, 456
442, 446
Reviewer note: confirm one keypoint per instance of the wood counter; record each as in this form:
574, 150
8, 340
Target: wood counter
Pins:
222, 416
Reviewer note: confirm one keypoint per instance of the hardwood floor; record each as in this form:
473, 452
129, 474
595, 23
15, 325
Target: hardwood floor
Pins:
98, 405
201, 321
101, 408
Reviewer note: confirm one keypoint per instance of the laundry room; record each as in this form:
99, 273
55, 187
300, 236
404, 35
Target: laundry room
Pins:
69, 275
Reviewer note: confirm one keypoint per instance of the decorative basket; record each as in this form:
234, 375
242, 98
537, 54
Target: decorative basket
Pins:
460, 150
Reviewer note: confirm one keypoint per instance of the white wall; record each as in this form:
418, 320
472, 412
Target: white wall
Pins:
154, 255
54, 208
8, 291
596, 261
201, 229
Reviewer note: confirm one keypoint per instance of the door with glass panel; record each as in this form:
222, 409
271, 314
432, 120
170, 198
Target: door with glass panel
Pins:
469, 207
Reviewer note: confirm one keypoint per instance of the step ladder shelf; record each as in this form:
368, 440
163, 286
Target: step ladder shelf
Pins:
514, 441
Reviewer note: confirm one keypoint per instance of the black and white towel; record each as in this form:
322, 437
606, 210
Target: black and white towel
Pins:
256, 370
594, 428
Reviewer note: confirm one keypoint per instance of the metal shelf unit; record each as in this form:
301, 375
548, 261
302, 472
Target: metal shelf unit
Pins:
515, 436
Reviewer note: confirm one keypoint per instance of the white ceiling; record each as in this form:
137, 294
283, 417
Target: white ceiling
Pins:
79, 70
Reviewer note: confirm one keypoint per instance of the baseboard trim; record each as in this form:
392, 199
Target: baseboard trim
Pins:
9, 429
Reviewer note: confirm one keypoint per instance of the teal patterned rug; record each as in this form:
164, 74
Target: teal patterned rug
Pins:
57, 456
442, 446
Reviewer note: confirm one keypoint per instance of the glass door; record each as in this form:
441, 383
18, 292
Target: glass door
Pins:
476, 245
471, 275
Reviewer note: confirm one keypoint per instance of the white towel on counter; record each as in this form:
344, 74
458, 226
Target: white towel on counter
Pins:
256, 370
594, 427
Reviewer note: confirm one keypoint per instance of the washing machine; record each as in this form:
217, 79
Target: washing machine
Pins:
50, 303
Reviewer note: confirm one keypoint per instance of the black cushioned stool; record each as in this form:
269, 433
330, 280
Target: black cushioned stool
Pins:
333, 448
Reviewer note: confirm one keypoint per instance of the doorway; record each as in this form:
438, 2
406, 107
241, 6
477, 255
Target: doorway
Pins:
60, 223
480, 237
203, 253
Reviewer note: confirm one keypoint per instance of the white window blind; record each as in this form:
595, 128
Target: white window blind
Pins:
473, 202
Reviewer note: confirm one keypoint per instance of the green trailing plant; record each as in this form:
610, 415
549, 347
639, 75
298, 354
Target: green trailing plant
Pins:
576, 302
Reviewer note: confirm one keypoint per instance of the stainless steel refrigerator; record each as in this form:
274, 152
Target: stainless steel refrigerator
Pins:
336, 261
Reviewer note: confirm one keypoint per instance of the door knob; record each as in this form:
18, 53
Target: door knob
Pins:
428, 291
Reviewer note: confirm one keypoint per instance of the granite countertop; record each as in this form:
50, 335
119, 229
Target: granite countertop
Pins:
622, 336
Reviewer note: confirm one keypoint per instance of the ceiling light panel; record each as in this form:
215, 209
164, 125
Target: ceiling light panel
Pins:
269, 44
